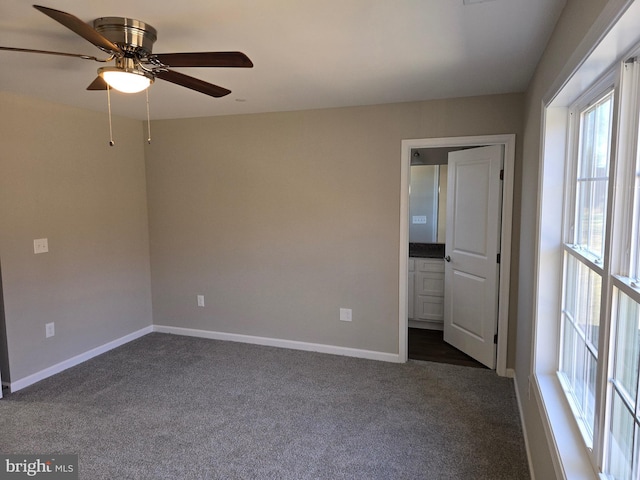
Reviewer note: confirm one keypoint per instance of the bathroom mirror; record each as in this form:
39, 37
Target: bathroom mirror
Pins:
427, 204
428, 195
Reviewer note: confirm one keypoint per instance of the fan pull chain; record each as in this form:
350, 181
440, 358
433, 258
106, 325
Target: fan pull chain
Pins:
111, 142
148, 118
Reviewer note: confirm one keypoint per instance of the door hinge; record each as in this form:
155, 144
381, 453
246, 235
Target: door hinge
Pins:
498, 258
495, 339
502, 174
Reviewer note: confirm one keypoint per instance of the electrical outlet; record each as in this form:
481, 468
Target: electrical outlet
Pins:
345, 314
50, 329
201, 300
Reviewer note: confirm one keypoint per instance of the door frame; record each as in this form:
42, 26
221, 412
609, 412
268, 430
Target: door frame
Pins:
509, 141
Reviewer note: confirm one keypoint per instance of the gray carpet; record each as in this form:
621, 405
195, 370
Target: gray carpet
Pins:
171, 407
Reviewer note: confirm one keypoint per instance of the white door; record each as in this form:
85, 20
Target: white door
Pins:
474, 204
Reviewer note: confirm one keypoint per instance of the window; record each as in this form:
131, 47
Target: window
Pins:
623, 425
593, 177
580, 322
598, 361
584, 252
586, 338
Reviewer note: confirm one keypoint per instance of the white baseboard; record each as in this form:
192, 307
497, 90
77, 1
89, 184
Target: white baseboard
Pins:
512, 374
276, 342
14, 386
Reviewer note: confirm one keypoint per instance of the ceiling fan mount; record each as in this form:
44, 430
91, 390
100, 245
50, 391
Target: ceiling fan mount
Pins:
135, 38
129, 43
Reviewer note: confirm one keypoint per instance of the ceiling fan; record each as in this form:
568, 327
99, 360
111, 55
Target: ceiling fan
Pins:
129, 43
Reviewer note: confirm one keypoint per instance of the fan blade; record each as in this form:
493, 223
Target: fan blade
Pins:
193, 83
48, 52
81, 28
98, 84
205, 59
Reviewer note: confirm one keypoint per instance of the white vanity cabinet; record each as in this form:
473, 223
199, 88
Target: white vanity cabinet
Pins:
426, 286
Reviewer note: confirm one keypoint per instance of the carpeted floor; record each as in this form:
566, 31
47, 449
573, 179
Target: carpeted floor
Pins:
171, 407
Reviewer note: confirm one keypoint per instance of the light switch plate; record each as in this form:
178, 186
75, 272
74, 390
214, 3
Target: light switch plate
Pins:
201, 300
40, 245
419, 219
345, 314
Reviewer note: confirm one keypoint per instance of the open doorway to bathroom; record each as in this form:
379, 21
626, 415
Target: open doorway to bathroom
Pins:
427, 239
507, 145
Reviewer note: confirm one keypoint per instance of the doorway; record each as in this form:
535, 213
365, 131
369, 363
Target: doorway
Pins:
508, 143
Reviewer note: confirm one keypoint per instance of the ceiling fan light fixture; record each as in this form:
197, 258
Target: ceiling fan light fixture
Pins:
126, 81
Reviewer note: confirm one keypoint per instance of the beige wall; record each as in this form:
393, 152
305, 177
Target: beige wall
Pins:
278, 219
577, 17
281, 219
60, 180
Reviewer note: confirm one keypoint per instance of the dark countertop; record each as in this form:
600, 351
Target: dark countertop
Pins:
426, 250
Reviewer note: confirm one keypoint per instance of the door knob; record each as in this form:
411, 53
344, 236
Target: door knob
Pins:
447, 258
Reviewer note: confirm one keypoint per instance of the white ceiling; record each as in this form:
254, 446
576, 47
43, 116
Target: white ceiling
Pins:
307, 54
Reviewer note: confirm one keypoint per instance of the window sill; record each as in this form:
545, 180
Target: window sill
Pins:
568, 451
